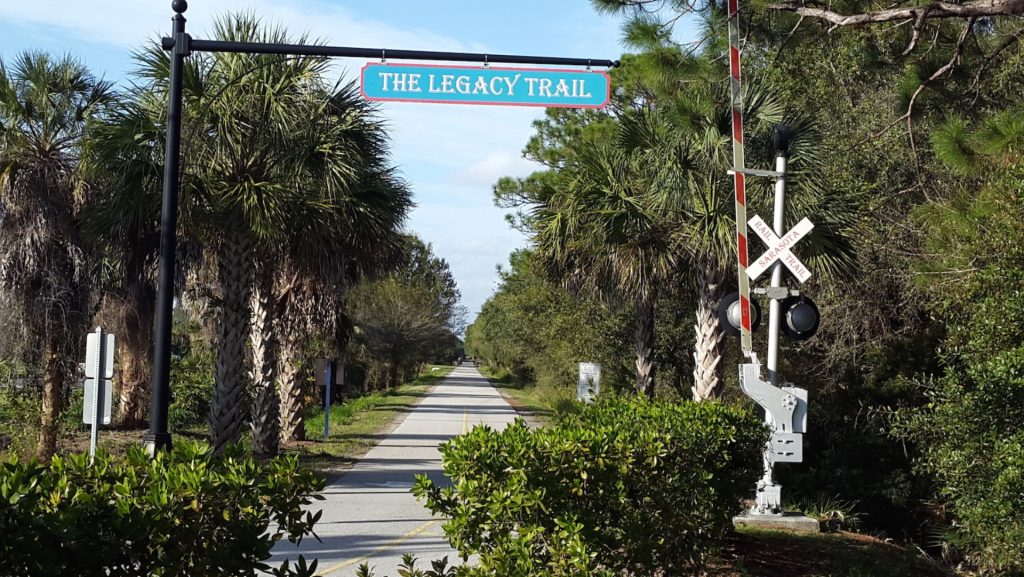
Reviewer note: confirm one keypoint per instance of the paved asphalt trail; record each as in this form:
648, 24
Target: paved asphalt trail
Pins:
369, 515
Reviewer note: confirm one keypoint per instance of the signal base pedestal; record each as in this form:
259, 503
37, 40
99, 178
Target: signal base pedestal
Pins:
787, 522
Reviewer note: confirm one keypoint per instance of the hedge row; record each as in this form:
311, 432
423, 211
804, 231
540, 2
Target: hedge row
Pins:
185, 513
623, 487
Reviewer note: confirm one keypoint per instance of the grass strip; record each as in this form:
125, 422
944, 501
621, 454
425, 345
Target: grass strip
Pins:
358, 424
528, 400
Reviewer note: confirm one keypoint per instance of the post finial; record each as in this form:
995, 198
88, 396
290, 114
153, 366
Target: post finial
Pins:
179, 6
782, 138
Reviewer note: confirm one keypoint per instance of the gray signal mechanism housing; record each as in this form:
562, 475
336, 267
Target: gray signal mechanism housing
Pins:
786, 406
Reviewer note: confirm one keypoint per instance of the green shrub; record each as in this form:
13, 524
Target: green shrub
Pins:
71, 416
969, 432
972, 445
628, 486
19, 412
191, 389
408, 568
185, 513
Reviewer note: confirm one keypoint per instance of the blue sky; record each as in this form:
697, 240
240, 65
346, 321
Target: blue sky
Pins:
450, 154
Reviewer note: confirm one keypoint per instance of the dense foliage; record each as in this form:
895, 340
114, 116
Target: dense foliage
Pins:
538, 332
184, 513
970, 431
624, 485
290, 241
406, 318
915, 372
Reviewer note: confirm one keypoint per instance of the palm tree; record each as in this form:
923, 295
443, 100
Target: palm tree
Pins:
279, 167
610, 229
328, 246
272, 157
308, 173
365, 242
298, 308
263, 403
124, 161
45, 105
263, 156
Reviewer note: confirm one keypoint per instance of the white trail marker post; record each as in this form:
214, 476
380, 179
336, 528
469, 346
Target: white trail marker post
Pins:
99, 370
589, 386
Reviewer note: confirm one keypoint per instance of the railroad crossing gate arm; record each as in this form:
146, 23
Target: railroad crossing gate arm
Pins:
787, 408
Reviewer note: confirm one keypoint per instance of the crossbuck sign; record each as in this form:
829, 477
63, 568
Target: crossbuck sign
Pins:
779, 249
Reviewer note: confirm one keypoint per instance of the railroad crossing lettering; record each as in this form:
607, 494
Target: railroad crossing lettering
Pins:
779, 249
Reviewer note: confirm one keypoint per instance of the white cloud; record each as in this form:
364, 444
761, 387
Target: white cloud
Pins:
486, 171
119, 23
125, 23
451, 154
455, 136
474, 240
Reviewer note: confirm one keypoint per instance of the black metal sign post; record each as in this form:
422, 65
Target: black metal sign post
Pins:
180, 44
158, 437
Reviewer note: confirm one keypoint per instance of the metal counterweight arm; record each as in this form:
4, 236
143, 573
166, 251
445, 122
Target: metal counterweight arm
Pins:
779, 403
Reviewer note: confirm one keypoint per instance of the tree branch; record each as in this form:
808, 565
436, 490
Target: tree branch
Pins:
944, 69
918, 26
1010, 39
935, 10
789, 37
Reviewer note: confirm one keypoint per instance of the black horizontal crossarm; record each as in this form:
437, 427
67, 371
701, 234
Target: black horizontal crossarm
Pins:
382, 53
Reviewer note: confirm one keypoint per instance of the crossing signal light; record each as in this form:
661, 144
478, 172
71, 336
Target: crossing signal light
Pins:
800, 317
729, 314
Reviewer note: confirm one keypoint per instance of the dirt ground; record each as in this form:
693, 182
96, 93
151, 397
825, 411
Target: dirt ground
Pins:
754, 553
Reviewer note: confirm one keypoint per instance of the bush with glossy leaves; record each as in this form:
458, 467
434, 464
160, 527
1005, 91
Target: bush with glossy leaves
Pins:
624, 487
184, 513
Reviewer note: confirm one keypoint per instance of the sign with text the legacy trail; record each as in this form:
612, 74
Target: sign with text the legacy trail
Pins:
485, 85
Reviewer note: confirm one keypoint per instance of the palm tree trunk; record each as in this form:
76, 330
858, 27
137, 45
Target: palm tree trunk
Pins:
707, 354
234, 273
133, 374
392, 375
134, 354
137, 316
340, 388
265, 403
293, 422
645, 346
53, 398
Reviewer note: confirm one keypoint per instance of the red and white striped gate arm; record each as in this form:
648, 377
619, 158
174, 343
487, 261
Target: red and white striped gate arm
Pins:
738, 166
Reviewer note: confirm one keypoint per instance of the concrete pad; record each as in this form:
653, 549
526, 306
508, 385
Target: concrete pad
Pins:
786, 522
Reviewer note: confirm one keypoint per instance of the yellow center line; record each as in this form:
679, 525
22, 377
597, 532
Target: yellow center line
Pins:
380, 549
